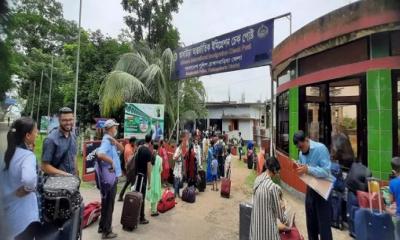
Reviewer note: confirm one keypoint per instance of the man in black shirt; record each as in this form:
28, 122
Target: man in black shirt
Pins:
143, 167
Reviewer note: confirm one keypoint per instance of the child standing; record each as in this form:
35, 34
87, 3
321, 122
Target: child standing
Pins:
154, 189
228, 161
214, 172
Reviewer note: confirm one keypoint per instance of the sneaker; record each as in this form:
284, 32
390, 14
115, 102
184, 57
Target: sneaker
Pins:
144, 221
109, 235
155, 214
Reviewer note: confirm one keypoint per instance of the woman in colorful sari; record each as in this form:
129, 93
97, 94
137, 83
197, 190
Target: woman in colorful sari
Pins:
165, 163
154, 188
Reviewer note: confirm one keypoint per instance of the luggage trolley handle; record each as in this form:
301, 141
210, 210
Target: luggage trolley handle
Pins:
371, 180
141, 183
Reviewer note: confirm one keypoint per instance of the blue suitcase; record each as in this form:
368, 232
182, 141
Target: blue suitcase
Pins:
373, 225
370, 224
336, 207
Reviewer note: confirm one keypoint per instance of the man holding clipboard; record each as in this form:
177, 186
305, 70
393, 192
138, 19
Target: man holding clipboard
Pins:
314, 165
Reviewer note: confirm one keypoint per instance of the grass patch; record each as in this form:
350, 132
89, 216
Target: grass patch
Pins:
38, 153
250, 179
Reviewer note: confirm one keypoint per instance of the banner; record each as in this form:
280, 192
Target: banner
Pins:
244, 48
143, 119
44, 124
47, 124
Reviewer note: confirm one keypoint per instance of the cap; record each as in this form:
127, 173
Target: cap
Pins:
110, 123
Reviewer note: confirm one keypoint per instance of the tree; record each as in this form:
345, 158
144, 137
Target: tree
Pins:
150, 20
145, 76
5, 67
97, 58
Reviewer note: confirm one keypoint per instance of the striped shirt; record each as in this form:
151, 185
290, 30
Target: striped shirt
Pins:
266, 209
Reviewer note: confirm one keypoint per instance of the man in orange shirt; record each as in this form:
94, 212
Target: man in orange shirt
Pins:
260, 161
129, 152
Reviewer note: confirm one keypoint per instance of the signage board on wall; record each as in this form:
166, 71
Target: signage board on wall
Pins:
244, 48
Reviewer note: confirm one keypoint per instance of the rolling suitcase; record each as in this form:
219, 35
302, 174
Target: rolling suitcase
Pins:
202, 181
131, 209
226, 185
372, 225
245, 210
68, 230
336, 206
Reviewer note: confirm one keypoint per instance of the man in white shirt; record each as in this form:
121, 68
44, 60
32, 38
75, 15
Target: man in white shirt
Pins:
197, 151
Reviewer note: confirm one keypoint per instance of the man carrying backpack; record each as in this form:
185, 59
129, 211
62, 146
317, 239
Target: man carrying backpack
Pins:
220, 152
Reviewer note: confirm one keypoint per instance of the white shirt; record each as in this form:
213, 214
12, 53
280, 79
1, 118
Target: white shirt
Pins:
197, 151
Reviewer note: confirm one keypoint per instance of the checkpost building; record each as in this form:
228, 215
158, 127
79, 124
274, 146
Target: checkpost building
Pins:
341, 73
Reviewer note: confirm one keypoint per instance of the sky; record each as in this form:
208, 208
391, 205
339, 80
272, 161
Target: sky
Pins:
198, 20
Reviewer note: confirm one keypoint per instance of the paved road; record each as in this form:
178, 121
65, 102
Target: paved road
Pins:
211, 217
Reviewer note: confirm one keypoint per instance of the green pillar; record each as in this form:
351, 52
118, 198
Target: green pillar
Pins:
379, 122
293, 120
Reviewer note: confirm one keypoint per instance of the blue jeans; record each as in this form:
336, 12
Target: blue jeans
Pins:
176, 185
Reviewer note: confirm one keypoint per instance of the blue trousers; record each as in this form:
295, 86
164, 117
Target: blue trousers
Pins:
318, 216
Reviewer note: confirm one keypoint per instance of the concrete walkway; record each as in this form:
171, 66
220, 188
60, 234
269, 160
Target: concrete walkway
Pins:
211, 217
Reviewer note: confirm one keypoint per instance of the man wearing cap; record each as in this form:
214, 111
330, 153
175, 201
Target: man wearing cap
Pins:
60, 148
314, 160
107, 153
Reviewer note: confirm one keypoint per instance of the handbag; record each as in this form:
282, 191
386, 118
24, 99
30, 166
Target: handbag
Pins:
105, 178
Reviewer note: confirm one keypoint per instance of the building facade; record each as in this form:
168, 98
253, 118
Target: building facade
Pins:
251, 119
341, 74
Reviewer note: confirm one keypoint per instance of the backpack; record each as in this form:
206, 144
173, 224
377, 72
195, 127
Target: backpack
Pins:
336, 171
219, 150
91, 213
60, 198
131, 170
167, 201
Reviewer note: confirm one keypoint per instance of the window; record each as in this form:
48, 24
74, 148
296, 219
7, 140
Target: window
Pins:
288, 74
282, 133
335, 107
395, 42
352, 52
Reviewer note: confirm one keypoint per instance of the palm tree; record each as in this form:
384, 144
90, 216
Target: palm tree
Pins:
145, 76
140, 76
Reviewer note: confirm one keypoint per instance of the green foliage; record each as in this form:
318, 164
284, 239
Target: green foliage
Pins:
145, 76
153, 18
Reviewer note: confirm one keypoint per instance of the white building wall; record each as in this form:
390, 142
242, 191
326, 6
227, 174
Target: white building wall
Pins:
225, 125
246, 128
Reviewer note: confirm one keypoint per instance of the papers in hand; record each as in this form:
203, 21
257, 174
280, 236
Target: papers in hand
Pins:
321, 185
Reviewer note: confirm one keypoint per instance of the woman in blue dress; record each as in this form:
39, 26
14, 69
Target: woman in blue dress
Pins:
210, 157
18, 179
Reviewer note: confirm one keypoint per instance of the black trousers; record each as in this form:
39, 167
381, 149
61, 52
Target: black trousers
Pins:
221, 166
107, 209
31, 232
143, 191
126, 185
318, 216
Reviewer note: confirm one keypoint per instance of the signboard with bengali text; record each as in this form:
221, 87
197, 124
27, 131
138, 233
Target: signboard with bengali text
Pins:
244, 48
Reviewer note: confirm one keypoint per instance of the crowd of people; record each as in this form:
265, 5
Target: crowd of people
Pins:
148, 161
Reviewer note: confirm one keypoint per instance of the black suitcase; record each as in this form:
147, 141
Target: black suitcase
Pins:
132, 205
69, 230
244, 220
202, 181
336, 206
